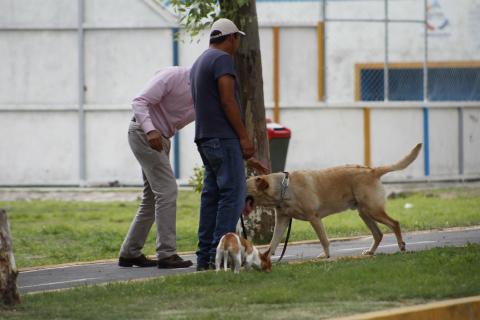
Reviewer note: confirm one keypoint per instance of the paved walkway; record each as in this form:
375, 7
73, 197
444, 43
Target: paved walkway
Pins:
67, 276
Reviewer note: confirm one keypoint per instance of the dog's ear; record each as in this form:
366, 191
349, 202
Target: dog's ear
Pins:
266, 253
266, 262
261, 184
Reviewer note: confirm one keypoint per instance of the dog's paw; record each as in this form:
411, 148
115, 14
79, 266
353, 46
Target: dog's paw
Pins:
323, 256
368, 253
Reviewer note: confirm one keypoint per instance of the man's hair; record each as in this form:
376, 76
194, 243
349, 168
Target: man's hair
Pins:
221, 38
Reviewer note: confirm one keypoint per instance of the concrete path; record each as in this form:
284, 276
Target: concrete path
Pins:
62, 277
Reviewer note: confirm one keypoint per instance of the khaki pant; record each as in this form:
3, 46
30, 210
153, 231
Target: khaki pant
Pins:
159, 200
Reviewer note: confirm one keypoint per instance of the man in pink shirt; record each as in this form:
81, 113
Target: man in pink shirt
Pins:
162, 108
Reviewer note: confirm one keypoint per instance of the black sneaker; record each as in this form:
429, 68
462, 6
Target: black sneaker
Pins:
174, 261
140, 261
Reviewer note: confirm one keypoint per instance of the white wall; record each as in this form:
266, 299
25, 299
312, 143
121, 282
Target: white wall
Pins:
45, 13
38, 67
443, 125
118, 63
393, 134
323, 137
121, 13
472, 141
38, 148
127, 41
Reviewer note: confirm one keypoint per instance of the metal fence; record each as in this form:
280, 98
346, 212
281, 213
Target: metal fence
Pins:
400, 44
407, 54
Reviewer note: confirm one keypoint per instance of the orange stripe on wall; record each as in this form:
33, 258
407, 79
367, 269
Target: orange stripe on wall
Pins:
276, 74
366, 121
366, 136
321, 60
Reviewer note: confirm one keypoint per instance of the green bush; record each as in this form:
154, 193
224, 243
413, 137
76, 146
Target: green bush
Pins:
196, 180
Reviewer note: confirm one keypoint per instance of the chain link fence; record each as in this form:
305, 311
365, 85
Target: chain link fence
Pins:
402, 50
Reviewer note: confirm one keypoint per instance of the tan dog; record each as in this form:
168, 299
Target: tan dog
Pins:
239, 250
313, 195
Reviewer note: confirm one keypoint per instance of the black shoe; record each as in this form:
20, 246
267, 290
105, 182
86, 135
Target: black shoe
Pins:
140, 261
174, 261
204, 267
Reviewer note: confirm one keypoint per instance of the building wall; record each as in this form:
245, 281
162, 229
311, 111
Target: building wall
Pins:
126, 41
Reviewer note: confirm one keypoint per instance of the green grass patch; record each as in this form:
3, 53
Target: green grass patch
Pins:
319, 290
51, 232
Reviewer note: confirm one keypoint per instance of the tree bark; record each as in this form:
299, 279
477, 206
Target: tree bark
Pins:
248, 65
8, 270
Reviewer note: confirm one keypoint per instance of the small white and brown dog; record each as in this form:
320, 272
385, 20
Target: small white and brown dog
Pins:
240, 251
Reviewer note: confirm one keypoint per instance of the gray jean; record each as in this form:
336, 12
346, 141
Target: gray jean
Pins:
159, 200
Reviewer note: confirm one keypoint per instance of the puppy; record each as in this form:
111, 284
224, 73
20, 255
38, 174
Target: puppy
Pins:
313, 195
239, 250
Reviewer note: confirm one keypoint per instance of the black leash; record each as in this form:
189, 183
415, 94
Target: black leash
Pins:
286, 240
284, 189
285, 183
243, 227
244, 231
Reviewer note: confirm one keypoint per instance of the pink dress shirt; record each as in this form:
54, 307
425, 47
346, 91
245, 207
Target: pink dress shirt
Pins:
165, 104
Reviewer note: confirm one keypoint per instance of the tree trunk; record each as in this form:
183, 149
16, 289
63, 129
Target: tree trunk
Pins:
248, 65
8, 270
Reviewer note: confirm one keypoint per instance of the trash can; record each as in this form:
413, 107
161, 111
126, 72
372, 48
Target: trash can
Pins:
278, 137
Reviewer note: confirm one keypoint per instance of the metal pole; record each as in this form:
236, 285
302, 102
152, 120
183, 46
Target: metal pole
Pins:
425, 57
325, 63
426, 137
81, 95
176, 148
385, 68
426, 142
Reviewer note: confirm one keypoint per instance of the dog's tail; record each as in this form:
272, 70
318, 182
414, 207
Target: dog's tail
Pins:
400, 165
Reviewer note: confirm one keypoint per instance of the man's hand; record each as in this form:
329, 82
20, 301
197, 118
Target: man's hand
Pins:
258, 166
247, 148
155, 140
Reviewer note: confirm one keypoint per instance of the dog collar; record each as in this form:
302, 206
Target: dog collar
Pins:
284, 185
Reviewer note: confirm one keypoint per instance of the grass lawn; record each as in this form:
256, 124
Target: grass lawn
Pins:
50, 232
310, 290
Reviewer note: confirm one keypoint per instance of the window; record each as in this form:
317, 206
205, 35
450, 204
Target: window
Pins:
446, 82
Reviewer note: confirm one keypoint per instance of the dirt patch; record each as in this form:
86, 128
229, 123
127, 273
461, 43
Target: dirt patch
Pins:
71, 194
440, 190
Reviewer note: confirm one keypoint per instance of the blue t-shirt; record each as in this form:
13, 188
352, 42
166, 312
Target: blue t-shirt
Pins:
210, 119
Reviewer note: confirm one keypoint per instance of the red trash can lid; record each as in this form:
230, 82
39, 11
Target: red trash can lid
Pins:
275, 130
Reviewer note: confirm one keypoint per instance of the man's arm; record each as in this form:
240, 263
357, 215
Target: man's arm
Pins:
152, 94
226, 88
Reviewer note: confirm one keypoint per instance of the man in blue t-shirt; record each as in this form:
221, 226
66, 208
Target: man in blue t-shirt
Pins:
221, 139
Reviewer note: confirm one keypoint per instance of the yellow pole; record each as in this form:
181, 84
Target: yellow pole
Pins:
321, 60
276, 68
366, 136
366, 119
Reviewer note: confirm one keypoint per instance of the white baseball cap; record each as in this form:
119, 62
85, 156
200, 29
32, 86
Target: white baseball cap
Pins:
225, 27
